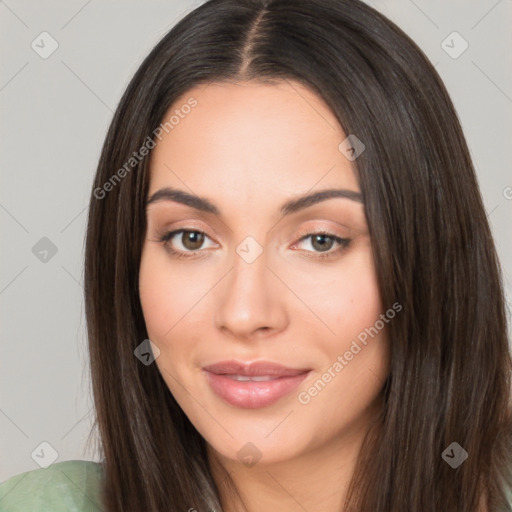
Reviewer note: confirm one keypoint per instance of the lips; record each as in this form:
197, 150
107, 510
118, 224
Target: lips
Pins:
253, 385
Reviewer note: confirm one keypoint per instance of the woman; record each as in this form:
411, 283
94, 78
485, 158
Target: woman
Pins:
293, 298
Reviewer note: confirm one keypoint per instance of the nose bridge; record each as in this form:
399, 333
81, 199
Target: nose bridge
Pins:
248, 301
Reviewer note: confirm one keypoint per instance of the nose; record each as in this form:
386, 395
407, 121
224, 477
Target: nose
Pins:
250, 301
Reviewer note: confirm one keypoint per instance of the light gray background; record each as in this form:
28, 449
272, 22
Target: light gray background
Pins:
55, 113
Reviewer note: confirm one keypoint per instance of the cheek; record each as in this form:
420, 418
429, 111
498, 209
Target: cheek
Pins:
165, 298
357, 350
166, 294
355, 304
156, 301
346, 299
355, 357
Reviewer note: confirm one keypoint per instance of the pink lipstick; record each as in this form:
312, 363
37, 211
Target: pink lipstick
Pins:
253, 385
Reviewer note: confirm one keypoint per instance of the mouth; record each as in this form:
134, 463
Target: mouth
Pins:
255, 378
253, 385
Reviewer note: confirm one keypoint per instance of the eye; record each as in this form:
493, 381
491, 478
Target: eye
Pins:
188, 242
184, 243
322, 242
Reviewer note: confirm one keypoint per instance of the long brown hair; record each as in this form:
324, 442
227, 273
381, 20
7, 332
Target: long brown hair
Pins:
450, 359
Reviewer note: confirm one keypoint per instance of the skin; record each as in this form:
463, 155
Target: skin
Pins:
248, 148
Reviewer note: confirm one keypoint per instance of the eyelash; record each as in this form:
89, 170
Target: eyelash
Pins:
166, 237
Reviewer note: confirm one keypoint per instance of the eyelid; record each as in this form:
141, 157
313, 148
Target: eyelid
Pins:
324, 230
162, 229
319, 230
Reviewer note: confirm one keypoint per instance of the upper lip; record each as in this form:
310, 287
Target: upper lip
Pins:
253, 369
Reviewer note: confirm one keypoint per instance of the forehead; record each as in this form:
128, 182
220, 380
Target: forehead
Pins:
251, 139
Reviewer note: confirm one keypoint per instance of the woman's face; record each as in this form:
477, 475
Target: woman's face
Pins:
254, 274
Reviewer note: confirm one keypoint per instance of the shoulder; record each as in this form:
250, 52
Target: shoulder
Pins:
72, 485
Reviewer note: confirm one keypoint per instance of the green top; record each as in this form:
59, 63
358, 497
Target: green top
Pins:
69, 486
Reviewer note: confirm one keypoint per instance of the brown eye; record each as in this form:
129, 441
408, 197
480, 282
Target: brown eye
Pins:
192, 240
184, 243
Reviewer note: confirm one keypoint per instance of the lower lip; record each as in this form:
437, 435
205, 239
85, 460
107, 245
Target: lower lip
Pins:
252, 394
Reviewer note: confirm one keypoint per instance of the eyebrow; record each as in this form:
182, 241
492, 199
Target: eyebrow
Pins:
290, 206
